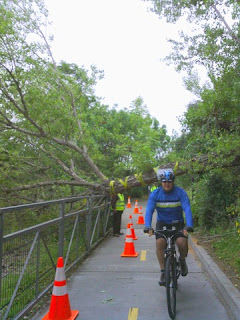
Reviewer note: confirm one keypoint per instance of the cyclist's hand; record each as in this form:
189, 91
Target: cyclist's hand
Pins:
149, 231
146, 230
187, 229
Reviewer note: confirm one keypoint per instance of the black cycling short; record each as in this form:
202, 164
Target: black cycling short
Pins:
160, 225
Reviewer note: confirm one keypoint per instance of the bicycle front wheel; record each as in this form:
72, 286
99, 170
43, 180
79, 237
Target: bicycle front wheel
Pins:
171, 285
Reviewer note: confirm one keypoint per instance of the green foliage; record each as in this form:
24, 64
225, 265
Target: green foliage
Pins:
227, 249
214, 41
55, 133
211, 124
137, 192
234, 212
173, 10
214, 193
126, 140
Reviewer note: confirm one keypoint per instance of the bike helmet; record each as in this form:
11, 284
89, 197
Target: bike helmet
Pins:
166, 176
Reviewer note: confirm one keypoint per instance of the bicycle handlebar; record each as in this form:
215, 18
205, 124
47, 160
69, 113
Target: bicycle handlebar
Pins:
146, 230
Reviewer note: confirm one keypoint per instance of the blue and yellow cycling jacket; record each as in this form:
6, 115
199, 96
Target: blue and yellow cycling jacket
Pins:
169, 206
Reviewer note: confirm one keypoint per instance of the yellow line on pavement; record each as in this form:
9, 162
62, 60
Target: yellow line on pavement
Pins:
143, 255
133, 314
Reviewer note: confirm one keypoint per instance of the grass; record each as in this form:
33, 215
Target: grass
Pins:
223, 245
227, 249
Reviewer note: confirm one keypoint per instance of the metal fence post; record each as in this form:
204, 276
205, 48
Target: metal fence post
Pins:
37, 267
106, 213
61, 230
1, 251
89, 223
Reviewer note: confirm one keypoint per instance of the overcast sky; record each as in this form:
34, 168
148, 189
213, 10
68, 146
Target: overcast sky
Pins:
127, 41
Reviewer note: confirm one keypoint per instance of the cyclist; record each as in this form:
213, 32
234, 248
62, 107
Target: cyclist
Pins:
170, 202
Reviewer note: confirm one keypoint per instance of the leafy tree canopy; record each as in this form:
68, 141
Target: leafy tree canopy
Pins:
54, 130
211, 125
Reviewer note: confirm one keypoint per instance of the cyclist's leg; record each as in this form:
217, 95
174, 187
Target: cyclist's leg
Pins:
182, 244
160, 247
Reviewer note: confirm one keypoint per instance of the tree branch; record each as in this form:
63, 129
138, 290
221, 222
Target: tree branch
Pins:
24, 112
67, 143
11, 125
85, 155
225, 23
50, 183
70, 171
19, 90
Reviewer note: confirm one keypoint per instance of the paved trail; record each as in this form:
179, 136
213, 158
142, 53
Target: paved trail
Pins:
109, 287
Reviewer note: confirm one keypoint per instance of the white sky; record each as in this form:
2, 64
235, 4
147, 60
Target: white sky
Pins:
126, 41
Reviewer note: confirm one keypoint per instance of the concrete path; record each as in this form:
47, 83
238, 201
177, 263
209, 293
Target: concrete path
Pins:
110, 287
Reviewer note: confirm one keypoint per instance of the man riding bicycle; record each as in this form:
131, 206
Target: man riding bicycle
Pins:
170, 202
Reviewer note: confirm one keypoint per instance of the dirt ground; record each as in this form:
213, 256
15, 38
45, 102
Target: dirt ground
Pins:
229, 271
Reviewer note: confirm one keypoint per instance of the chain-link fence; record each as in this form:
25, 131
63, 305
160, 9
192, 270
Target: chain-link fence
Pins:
33, 236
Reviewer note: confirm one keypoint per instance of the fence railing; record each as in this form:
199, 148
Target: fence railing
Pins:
33, 236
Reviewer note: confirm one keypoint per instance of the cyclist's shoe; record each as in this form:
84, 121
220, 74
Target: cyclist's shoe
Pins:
162, 279
183, 267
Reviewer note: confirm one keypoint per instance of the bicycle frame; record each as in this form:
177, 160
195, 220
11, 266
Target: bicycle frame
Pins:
169, 235
171, 262
172, 270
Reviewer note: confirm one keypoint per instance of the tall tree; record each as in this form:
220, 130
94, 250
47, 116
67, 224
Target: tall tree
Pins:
59, 131
214, 40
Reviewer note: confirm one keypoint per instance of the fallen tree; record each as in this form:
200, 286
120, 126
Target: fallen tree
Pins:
196, 165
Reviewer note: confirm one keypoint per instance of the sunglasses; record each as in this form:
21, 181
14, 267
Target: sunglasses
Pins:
167, 181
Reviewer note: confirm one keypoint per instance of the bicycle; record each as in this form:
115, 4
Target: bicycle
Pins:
172, 266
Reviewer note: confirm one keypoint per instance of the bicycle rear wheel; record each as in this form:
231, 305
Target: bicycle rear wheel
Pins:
171, 285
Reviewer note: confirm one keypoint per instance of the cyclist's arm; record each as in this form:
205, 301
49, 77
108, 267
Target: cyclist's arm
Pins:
185, 202
151, 204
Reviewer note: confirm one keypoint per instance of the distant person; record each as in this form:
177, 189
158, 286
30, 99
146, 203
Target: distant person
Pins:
152, 187
170, 202
118, 206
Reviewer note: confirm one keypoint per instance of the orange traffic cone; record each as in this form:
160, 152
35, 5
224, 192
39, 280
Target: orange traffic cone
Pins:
60, 306
140, 220
136, 210
140, 210
129, 249
130, 225
129, 203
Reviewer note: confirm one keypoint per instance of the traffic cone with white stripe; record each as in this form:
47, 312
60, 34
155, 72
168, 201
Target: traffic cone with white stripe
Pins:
130, 225
136, 210
140, 218
60, 305
129, 203
129, 249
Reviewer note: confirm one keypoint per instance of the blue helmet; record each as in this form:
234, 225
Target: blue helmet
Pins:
166, 176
